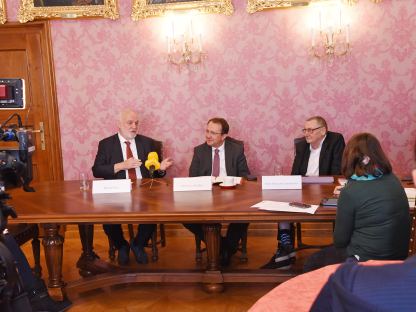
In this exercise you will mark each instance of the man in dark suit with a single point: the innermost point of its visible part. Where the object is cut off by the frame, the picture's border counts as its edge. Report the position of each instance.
(330, 145)
(318, 153)
(122, 156)
(220, 156)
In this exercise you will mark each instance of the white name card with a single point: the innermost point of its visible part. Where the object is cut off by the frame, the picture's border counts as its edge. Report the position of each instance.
(281, 182)
(111, 186)
(192, 184)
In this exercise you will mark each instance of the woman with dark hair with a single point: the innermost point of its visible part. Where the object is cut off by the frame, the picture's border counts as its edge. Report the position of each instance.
(373, 220)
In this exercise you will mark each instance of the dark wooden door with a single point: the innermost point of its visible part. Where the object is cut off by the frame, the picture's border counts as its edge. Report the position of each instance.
(26, 52)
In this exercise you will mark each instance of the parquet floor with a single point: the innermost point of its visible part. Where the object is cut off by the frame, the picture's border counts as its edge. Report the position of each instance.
(179, 253)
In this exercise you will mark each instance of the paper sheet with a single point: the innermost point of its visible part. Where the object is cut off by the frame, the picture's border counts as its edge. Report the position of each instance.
(283, 206)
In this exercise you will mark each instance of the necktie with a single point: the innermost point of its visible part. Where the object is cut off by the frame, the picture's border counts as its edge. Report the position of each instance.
(216, 164)
(129, 154)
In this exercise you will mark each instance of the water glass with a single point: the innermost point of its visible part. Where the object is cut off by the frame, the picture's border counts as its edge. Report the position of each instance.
(277, 170)
(83, 181)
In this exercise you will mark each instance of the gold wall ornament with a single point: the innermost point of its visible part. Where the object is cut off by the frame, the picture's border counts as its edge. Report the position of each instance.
(34, 9)
(3, 11)
(259, 5)
(153, 8)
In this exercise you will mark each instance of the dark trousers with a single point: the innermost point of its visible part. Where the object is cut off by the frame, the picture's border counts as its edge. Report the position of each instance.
(235, 232)
(326, 256)
(28, 278)
(115, 233)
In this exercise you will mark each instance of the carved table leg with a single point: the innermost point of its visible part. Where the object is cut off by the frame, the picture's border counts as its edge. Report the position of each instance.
(212, 232)
(53, 246)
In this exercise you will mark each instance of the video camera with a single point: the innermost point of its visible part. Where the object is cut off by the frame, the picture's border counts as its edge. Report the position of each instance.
(16, 149)
(10, 284)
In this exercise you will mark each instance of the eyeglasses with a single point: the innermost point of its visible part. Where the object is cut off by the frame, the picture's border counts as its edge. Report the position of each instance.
(309, 130)
(212, 132)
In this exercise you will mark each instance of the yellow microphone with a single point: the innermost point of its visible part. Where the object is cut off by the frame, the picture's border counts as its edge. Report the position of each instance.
(152, 163)
(153, 155)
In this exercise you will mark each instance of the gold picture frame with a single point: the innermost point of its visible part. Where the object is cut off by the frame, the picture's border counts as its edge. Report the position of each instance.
(3, 16)
(260, 5)
(34, 9)
(153, 8)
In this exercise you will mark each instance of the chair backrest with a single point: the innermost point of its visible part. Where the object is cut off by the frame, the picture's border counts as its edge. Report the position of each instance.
(296, 141)
(412, 241)
(158, 145)
(230, 139)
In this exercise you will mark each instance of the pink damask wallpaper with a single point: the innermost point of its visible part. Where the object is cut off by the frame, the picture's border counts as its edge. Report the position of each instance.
(258, 75)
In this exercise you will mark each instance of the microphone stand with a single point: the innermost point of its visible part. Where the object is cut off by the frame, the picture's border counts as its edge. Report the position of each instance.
(152, 179)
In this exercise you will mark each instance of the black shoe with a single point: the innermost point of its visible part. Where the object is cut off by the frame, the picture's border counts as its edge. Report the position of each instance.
(41, 301)
(123, 255)
(139, 253)
(283, 258)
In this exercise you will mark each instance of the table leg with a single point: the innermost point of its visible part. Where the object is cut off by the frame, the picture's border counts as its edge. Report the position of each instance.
(212, 233)
(53, 246)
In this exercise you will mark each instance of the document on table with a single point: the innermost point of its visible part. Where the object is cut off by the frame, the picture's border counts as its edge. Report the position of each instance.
(283, 206)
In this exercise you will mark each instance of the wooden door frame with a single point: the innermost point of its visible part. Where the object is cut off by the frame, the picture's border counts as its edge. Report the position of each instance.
(52, 131)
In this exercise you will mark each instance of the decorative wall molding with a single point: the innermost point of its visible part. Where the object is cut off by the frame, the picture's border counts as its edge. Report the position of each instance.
(3, 16)
(145, 8)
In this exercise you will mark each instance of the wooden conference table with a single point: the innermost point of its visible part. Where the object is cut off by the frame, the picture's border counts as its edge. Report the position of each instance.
(58, 203)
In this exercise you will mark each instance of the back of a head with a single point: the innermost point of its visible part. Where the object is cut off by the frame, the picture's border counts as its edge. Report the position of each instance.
(363, 155)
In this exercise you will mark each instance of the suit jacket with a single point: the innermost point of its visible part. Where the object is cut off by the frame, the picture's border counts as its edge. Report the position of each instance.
(359, 288)
(329, 158)
(109, 153)
(235, 160)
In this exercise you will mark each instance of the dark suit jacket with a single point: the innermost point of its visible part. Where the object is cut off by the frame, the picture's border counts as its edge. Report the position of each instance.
(329, 159)
(109, 153)
(235, 160)
(359, 288)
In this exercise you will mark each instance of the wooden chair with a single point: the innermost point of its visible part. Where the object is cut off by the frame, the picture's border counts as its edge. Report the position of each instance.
(412, 241)
(22, 233)
(154, 241)
(243, 242)
(158, 145)
(298, 226)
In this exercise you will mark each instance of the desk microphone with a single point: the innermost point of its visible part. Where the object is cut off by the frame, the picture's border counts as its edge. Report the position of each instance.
(152, 163)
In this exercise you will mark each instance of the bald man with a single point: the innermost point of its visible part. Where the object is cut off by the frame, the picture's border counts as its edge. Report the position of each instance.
(122, 156)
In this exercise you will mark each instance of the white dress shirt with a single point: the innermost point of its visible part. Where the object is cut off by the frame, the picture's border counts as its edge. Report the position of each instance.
(313, 162)
(223, 170)
(133, 151)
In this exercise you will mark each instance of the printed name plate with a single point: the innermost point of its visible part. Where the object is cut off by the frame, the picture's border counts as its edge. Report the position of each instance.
(192, 184)
(111, 186)
(281, 182)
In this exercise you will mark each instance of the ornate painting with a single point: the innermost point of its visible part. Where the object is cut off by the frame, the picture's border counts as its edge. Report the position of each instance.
(33, 9)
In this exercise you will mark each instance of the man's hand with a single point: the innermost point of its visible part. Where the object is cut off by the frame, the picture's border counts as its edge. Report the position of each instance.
(166, 163)
(127, 164)
(132, 163)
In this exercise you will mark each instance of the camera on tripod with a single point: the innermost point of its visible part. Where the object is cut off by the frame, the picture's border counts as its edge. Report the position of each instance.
(16, 149)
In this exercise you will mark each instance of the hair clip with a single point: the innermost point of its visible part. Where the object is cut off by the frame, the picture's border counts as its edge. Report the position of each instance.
(366, 160)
